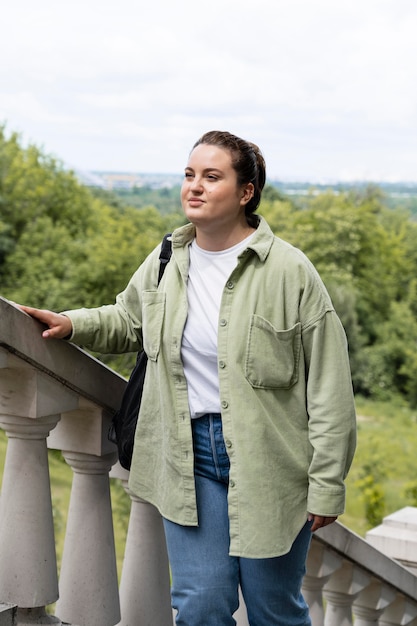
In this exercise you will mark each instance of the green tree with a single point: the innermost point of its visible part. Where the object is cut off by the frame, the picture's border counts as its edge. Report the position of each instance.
(60, 246)
(33, 185)
(366, 255)
(63, 246)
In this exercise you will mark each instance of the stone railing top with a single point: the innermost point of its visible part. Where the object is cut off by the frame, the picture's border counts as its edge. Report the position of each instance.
(70, 365)
(355, 549)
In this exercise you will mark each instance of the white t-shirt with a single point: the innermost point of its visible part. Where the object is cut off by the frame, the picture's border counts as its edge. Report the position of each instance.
(206, 279)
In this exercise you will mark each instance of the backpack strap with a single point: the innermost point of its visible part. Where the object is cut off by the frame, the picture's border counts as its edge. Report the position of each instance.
(165, 254)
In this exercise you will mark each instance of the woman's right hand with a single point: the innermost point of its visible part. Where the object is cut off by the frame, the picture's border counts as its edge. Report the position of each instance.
(59, 326)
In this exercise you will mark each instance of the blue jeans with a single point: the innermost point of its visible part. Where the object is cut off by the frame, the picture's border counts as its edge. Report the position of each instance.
(205, 579)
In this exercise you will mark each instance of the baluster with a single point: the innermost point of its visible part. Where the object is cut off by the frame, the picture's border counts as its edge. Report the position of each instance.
(88, 580)
(29, 409)
(241, 615)
(144, 585)
(371, 602)
(321, 563)
(28, 572)
(340, 591)
(401, 612)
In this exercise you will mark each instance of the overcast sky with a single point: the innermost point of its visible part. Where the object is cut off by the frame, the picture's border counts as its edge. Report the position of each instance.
(326, 88)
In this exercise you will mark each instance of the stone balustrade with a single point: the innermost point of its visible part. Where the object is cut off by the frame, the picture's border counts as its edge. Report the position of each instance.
(52, 394)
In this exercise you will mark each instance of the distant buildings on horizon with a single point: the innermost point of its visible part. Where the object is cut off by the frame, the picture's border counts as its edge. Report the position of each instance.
(117, 181)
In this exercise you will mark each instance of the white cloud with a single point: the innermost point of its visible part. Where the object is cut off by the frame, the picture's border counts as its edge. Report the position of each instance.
(325, 88)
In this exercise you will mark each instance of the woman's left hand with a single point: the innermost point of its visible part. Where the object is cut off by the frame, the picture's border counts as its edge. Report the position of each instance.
(319, 521)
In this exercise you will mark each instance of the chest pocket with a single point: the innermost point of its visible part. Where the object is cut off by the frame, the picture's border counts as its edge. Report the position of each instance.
(272, 356)
(153, 311)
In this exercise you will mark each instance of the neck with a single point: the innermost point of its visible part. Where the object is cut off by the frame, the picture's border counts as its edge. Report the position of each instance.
(216, 241)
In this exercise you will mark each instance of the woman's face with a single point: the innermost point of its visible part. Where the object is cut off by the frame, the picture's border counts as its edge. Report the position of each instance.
(210, 194)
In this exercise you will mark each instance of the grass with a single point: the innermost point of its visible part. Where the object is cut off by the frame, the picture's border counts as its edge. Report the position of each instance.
(387, 444)
(386, 451)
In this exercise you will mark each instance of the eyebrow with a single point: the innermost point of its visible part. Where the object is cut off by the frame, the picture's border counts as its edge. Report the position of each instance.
(206, 169)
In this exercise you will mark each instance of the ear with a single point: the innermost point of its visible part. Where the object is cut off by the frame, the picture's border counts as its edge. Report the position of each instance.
(247, 193)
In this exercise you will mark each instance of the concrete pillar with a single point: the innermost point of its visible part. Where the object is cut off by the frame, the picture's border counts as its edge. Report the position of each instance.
(145, 584)
(30, 406)
(241, 615)
(400, 612)
(88, 581)
(28, 574)
(372, 602)
(340, 591)
(396, 537)
(320, 565)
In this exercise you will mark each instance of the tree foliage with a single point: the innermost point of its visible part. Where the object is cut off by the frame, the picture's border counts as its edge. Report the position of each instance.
(63, 246)
(366, 254)
(60, 246)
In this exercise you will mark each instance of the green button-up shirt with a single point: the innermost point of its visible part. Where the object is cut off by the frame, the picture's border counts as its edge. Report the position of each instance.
(285, 390)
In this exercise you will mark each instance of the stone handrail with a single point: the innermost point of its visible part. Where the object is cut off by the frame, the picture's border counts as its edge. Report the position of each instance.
(53, 394)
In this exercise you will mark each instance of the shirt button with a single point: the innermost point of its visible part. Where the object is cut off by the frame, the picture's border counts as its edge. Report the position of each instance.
(232, 483)
(222, 364)
(228, 443)
(224, 404)
(230, 284)
(223, 322)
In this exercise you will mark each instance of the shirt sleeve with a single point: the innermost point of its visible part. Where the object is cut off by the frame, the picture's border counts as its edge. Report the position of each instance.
(116, 328)
(331, 412)
(107, 329)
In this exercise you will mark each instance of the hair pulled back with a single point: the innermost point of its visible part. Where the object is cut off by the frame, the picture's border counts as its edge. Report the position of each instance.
(247, 161)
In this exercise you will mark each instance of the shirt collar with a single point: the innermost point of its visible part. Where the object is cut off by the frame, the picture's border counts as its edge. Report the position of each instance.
(260, 243)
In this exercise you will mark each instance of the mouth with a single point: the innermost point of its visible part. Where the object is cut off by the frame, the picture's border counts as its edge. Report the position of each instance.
(195, 202)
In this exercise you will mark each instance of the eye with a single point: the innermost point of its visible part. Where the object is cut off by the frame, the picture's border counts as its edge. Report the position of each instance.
(188, 175)
(212, 177)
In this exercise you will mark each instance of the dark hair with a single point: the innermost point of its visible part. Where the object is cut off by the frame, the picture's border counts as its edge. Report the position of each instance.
(247, 161)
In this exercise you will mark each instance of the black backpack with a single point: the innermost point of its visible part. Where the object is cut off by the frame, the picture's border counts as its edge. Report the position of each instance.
(123, 426)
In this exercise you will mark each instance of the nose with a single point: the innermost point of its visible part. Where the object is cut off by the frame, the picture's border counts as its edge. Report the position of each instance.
(196, 185)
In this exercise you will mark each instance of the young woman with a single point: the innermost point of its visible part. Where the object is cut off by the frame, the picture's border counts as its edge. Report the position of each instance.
(247, 424)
